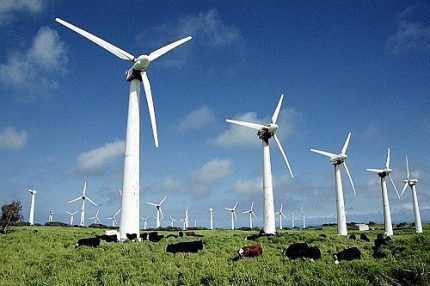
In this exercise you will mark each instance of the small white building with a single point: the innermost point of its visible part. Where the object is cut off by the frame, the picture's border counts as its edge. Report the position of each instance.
(360, 227)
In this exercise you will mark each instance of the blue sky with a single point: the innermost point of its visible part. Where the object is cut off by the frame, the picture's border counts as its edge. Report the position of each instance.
(362, 67)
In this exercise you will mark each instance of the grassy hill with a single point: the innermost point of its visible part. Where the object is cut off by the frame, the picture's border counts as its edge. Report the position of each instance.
(48, 257)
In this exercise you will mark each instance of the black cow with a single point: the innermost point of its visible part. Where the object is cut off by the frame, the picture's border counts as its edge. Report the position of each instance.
(92, 242)
(186, 246)
(347, 254)
(297, 250)
(364, 237)
(353, 237)
(144, 236)
(154, 236)
(108, 238)
(131, 236)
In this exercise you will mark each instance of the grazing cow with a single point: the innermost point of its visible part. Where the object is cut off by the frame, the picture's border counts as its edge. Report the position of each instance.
(352, 236)
(192, 233)
(186, 247)
(181, 234)
(249, 251)
(131, 236)
(347, 254)
(93, 242)
(297, 250)
(154, 236)
(323, 235)
(144, 236)
(108, 238)
(364, 237)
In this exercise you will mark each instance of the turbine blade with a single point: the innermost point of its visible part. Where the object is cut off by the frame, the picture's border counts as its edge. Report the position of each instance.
(404, 188)
(283, 154)
(395, 188)
(246, 124)
(254, 215)
(407, 168)
(68, 213)
(375, 170)
(282, 214)
(162, 201)
(152, 204)
(387, 164)
(148, 94)
(161, 213)
(102, 43)
(161, 51)
(117, 213)
(91, 201)
(345, 146)
(350, 178)
(77, 199)
(252, 206)
(75, 212)
(85, 188)
(328, 154)
(278, 108)
(235, 205)
(235, 216)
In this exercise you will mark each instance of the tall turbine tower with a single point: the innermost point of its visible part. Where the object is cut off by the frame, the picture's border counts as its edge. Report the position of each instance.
(383, 173)
(281, 214)
(337, 160)
(50, 216)
(303, 218)
(135, 75)
(251, 213)
(292, 220)
(233, 215)
(83, 198)
(411, 183)
(33, 197)
(265, 132)
(160, 215)
(72, 215)
(211, 225)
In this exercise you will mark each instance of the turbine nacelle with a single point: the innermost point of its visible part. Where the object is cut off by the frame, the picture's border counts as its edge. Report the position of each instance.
(141, 63)
(338, 159)
(272, 127)
(411, 182)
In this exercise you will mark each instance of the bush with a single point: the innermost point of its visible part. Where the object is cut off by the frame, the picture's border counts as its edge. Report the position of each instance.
(56, 223)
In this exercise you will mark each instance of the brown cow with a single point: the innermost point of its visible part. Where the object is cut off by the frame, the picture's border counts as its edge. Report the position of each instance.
(249, 251)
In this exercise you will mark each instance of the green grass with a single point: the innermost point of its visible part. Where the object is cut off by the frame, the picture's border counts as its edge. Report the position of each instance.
(48, 257)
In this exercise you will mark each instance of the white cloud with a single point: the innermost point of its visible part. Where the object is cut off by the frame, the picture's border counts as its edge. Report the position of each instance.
(9, 8)
(96, 161)
(248, 187)
(171, 183)
(238, 136)
(38, 68)
(197, 120)
(13, 139)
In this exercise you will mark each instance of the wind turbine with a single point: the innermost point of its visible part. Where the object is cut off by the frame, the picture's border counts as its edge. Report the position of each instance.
(337, 160)
(303, 218)
(251, 213)
(83, 198)
(72, 215)
(292, 220)
(33, 197)
(95, 218)
(50, 216)
(186, 219)
(383, 173)
(211, 225)
(233, 214)
(145, 222)
(172, 221)
(113, 218)
(135, 75)
(160, 215)
(411, 183)
(281, 214)
(265, 132)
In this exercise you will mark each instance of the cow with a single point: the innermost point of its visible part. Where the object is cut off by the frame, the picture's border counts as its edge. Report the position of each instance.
(108, 238)
(192, 233)
(297, 250)
(249, 251)
(92, 242)
(154, 236)
(347, 254)
(185, 247)
(364, 237)
(144, 236)
(131, 236)
(352, 236)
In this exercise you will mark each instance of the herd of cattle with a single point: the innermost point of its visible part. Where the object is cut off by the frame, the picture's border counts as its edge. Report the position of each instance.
(293, 251)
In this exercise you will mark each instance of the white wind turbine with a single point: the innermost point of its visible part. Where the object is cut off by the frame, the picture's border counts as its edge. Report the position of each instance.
(265, 132)
(211, 218)
(50, 216)
(337, 160)
(113, 218)
(281, 214)
(292, 220)
(145, 222)
(303, 218)
(233, 215)
(83, 198)
(72, 215)
(95, 218)
(135, 75)
(186, 219)
(172, 221)
(383, 173)
(160, 215)
(251, 213)
(411, 183)
(33, 198)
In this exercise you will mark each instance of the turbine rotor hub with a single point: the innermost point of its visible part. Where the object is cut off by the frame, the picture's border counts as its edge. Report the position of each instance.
(264, 134)
(141, 63)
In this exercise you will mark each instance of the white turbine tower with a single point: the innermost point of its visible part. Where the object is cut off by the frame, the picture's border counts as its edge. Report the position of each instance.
(303, 218)
(383, 173)
(159, 216)
(72, 215)
(292, 220)
(251, 213)
(265, 132)
(113, 218)
(50, 216)
(33, 198)
(233, 215)
(83, 198)
(135, 75)
(412, 184)
(145, 222)
(172, 221)
(211, 218)
(281, 214)
(186, 219)
(95, 218)
(337, 160)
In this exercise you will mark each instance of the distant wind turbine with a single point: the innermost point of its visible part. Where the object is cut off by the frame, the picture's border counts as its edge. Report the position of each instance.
(412, 184)
(83, 198)
(72, 215)
(145, 222)
(281, 214)
(233, 214)
(33, 198)
(251, 213)
(160, 215)
(113, 218)
(95, 218)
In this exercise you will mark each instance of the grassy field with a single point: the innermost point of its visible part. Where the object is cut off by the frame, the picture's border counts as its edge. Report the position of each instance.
(48, 257)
